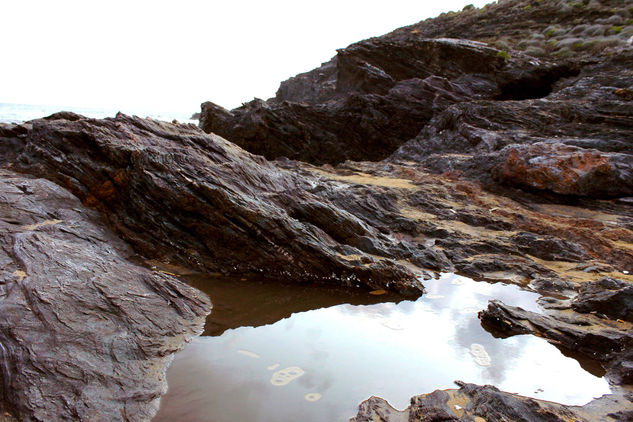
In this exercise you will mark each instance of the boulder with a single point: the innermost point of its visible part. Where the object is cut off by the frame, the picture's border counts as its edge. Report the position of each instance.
(608, 297)
(477, 403)
(566, 170)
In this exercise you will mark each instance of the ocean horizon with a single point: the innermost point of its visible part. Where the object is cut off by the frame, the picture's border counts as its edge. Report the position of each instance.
(17, 113)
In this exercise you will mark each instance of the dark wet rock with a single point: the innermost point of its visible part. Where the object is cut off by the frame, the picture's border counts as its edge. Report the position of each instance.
(476, 403)
(605, 340)
(607, 296)
(566, 170)
(64, 115)
(177, 194)
(372, 97)
(548, 247)
(84, 334)
(552, 285)
(499, 158)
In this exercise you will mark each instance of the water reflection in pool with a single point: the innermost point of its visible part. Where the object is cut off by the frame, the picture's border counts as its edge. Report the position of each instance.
(320, 364)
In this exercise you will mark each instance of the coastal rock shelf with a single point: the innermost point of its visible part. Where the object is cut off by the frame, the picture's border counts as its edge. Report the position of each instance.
(496, 143)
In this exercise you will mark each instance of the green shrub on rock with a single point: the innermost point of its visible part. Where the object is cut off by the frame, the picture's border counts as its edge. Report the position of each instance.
(615, 29)
(503, 54)
(563, 53)
(568, 42)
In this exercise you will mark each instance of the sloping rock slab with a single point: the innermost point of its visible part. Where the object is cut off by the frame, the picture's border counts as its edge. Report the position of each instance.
(180, 195)
(606, 340)
(372, 97)
(84, 334)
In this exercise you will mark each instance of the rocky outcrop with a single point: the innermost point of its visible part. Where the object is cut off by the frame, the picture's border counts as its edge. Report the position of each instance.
(84, 334)
(475, 403)
(177, 194)
(606, 297)
(566, 170)
(496, 163)
(606, 340)
(372, 97)
(574, 142)
(381, 225)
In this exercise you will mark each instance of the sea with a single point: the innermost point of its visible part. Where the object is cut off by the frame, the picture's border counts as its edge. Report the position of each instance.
(16, 113)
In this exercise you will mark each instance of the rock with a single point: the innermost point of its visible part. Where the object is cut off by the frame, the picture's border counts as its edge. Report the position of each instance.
(551, 285)
(566, 170)
(84, 333)
(613, 298)
(475, 403)
(494, 163)
(549, 247)
(604, 340)
(180, 195)
(372, 97)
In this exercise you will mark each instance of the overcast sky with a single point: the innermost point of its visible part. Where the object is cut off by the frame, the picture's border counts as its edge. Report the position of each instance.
(173, 55)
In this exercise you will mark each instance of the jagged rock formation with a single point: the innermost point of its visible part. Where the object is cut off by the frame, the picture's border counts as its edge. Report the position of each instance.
(179, 195)
(497, 163)
(599, 338)
(84, 334)
(375, 95)
(474, 403)
(519, 169)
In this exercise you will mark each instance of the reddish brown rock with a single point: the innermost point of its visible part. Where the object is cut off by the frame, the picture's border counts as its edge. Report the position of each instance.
(180, 195)
(566, 170)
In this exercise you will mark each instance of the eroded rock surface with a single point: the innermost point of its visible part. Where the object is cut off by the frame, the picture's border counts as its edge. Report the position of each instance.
(84, 334)
(593, 334)
(180, 195)
(372, 97)
(499, 164)
(475, 403)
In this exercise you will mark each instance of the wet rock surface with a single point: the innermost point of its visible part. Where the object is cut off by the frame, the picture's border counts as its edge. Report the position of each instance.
(504, 156)
(520, 169)
(566, 328)
(606, 297)
(181, 196)
(475, 403)
(84, 333)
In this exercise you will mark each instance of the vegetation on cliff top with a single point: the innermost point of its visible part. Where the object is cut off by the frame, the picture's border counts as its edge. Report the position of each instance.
(541, 28)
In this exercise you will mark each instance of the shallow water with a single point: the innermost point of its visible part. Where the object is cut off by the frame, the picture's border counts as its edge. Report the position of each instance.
(318, 365)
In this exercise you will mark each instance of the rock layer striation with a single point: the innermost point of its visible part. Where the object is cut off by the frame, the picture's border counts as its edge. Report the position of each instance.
(84, 333)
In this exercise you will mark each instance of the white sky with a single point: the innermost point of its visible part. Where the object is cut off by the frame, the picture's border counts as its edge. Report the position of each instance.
(173, 55)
